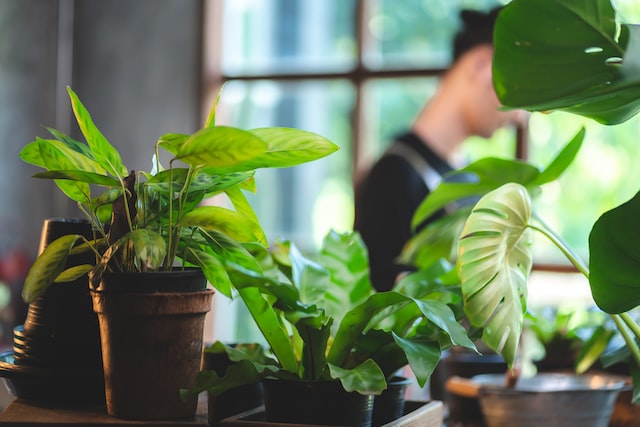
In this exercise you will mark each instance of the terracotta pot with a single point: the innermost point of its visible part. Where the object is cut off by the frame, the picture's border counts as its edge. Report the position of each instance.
(315, 402)
(151, 347)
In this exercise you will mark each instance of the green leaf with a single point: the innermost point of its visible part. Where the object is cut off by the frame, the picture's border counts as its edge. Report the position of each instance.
(614, 258)
(53, 158)
(213, 270)
(221, 147)
(269, 324)
(80, 176)
(226, 221)
(172, 142)
(593, 348)
(571, 63)
(562, 161)
(366, 378)
(30, 153)
(150, 247)
(495, 261)
(49, 264)
(489, 173)
(242, 206)
(423, 356)
(290, 147)
(73, 273)
(211, 118)
(103, 152)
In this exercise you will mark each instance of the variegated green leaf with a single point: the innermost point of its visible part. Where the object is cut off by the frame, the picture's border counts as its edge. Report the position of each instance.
(103, 152)
(72, 157)
(495, 261)
(49, 264)
(30, 153)
(150, 247)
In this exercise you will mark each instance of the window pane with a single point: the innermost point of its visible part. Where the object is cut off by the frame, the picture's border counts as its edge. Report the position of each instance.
(604, 175)
(414, 33)
(391, 105)
(271, 36)
(300, 203)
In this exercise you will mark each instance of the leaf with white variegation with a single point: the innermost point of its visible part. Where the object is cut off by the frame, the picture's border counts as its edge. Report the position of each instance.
(495, 261)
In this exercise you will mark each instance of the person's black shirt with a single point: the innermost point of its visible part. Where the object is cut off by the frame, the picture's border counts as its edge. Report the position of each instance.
(386, 200)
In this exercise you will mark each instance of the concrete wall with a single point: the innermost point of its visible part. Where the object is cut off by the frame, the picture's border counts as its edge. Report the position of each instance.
(136, 65)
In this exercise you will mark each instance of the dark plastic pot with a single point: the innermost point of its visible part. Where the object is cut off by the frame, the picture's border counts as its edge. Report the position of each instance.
(315, 402)
(151, 343)
(389, 405)
(231, 402)
(56, 355)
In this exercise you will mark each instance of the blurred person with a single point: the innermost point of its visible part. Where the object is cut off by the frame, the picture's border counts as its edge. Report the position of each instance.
(464, 105)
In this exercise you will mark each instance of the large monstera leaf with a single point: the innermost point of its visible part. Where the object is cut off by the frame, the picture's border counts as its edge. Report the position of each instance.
(495, 261)
(567, 55)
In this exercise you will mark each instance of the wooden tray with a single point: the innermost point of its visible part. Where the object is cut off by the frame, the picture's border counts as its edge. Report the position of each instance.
(417, 414)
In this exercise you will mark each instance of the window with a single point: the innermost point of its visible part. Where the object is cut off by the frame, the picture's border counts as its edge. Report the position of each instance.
(357, 72)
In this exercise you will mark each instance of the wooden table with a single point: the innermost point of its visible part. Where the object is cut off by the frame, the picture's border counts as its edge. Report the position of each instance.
(24, 413)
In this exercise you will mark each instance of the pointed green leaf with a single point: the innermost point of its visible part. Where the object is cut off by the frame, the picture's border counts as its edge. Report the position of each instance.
(220, 146)
(495, 262)
(423, 355)
(103, 152)
(483, 175)
(562, 160)
(211, 118)
(53, 158)
(614, 258)
(212, 268)
(80, 176)
(73, 273)
(291, 147)
(77, 146)
(226, 221)
(49, 264)
(30, 153)
(242, 206)
(272, 330)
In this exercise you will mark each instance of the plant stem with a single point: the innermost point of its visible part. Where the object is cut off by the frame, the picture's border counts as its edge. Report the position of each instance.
(560, 244)
(628, 338)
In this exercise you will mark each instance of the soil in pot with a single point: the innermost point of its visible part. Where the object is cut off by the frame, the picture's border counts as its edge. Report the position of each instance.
(152, 346)
(315, 402)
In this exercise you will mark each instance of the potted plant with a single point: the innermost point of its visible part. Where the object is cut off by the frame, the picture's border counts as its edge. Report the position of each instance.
(151, 230)
(339, 332)
(531, 72)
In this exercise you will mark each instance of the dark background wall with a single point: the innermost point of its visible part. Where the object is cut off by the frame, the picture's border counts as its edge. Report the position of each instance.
(136, 65)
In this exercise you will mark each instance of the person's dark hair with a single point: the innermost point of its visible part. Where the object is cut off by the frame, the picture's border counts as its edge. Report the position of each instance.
(477, 29)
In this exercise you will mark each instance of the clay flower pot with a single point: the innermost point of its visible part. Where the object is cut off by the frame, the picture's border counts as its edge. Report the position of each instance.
(151, 341)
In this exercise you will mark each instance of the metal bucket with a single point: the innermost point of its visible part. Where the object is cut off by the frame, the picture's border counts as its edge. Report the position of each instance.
(549, 400)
